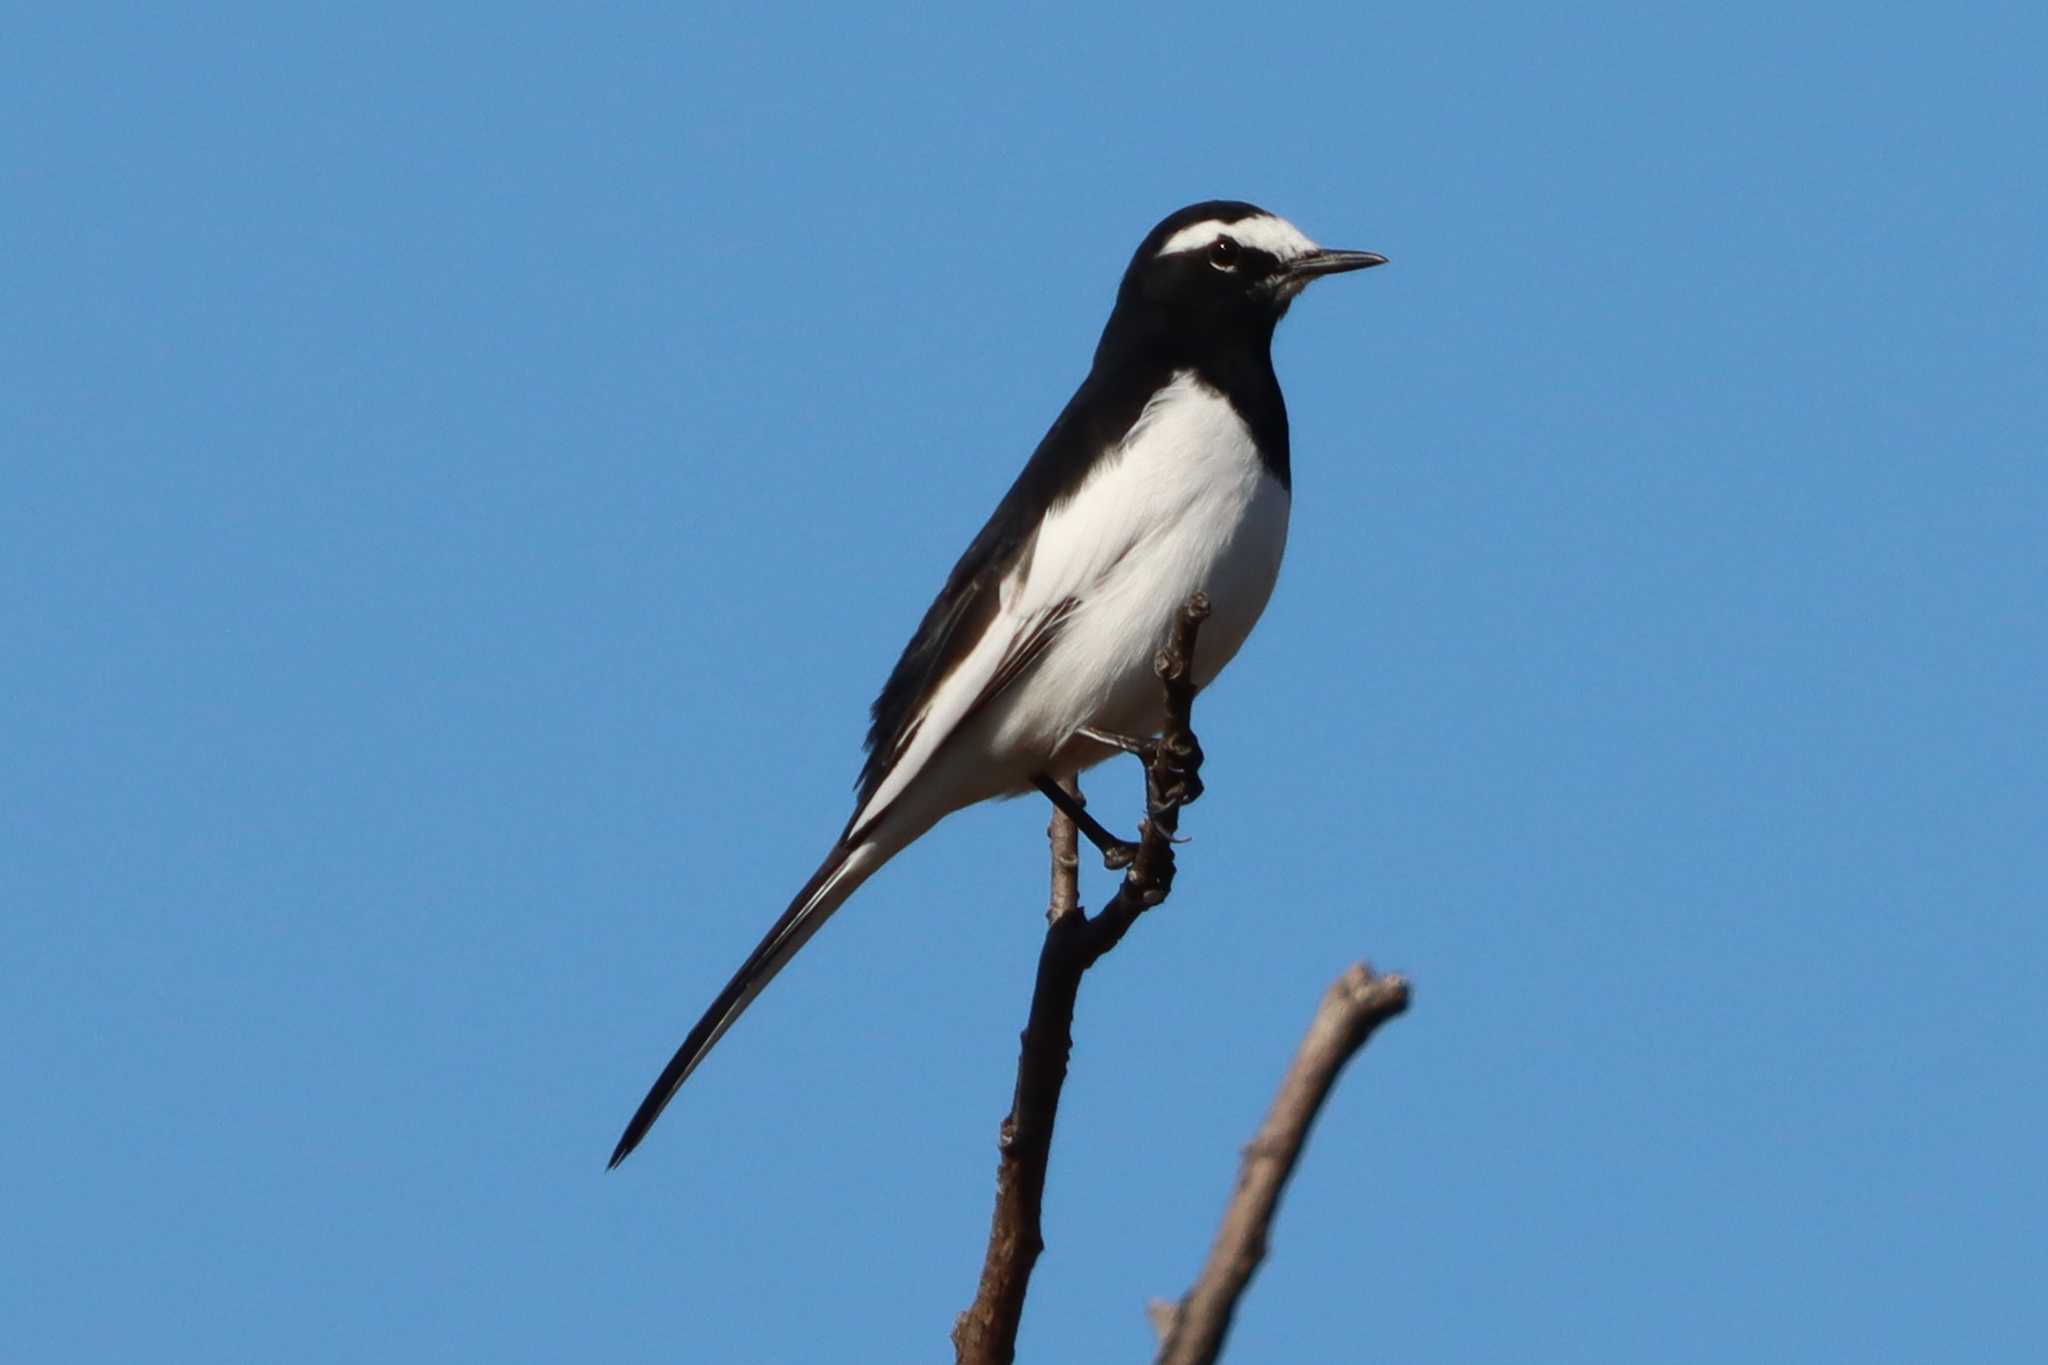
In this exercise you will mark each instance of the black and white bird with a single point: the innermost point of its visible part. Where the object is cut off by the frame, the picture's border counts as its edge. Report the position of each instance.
(1166, 474)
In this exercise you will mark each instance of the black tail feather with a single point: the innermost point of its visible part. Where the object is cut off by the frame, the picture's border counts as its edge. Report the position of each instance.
(791, 931)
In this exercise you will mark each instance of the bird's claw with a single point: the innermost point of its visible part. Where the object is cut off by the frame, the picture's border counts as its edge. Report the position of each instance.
(1177, 762)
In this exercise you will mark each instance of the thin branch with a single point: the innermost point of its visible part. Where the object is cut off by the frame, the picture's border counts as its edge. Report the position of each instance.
(986, 1334)
(1357, 1004)
(1066, 858)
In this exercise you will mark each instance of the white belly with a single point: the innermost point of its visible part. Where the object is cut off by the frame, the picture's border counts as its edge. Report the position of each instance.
(1192, 507)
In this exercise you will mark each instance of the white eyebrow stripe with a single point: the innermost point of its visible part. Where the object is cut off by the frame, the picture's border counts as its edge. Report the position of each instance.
(1275, 236)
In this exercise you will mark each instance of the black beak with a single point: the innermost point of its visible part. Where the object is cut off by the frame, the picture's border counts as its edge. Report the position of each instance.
(1321, 262)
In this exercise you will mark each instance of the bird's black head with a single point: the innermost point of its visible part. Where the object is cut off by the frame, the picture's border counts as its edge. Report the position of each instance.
(1227, 269)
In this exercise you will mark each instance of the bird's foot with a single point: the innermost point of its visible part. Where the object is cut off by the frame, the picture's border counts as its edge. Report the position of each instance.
(1173, 762)
(1176, 769)
(1117, 854)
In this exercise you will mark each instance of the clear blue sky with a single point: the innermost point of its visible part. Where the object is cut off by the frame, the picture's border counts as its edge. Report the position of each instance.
(468, 472)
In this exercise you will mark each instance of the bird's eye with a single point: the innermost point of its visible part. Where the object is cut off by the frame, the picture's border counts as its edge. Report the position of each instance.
(1223, 254)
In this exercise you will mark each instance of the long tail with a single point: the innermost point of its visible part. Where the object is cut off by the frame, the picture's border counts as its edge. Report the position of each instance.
(842, 872)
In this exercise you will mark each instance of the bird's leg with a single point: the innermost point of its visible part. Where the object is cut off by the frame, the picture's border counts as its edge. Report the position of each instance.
(1116, 853)
(1137, 748)
(1176, 757)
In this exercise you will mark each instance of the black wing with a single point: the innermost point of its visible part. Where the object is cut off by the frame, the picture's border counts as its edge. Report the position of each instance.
(1096, 419)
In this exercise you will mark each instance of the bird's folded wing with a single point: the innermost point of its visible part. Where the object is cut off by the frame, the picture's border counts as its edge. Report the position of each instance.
(1005, 651)
(1051, 581)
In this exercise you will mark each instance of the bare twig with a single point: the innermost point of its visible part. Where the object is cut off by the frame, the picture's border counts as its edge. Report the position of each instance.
(1357, 1004)
(986, 1334)
(1066, 858)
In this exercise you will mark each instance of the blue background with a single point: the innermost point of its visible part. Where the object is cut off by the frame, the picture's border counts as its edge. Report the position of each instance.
(467, 473)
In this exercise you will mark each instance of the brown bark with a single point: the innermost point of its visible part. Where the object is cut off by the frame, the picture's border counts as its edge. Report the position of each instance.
(1192, 1332)
(986, 1334)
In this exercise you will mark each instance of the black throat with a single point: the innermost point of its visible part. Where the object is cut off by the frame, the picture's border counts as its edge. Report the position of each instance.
(1144, 346)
